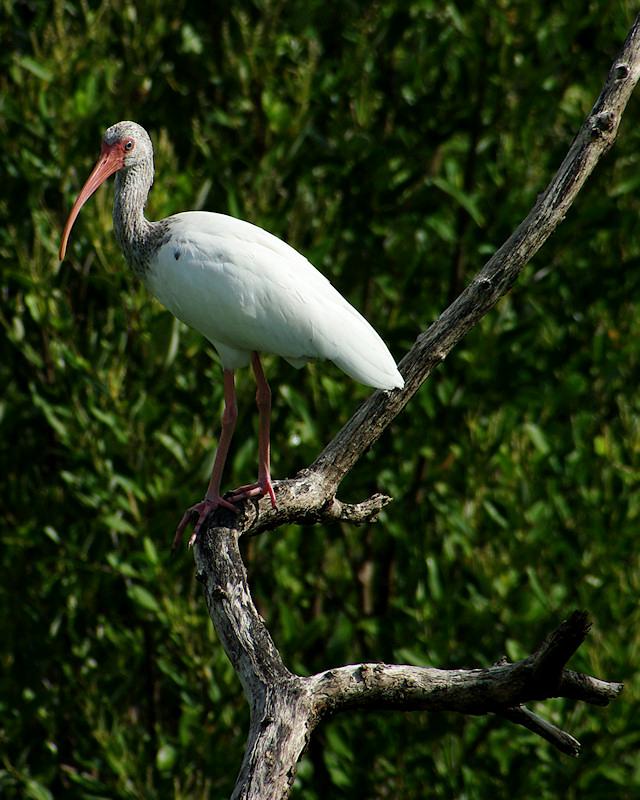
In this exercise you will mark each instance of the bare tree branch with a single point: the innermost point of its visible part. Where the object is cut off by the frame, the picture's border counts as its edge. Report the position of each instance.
(561, 740)
(301, 498)
(470, 691)
(285, 707)
(594, 139)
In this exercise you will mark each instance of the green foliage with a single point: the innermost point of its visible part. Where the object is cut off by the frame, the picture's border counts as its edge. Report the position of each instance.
(396, 144)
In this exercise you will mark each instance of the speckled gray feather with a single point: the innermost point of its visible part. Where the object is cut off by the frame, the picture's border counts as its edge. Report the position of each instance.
(137, 236)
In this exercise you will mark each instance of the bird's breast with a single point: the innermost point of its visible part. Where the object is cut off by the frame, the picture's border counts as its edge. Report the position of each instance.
(222, 292)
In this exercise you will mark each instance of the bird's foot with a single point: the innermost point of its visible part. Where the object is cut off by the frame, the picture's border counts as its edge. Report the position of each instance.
(199, 512)
(260, 488)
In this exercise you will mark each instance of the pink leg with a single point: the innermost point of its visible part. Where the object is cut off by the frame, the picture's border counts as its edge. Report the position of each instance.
(263, 400)
(213, 499)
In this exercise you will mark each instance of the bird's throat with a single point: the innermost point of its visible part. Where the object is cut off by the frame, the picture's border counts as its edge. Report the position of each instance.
(133, 231)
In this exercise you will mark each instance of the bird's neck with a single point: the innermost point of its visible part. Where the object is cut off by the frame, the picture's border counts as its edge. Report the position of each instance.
(133, 230)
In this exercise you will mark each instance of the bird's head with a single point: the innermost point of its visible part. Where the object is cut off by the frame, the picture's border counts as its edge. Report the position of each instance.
(124, 146)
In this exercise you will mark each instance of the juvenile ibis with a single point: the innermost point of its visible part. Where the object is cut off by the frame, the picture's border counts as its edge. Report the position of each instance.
(242, 288)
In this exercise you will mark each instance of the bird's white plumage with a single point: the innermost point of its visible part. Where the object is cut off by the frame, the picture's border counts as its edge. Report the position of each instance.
(245, 290)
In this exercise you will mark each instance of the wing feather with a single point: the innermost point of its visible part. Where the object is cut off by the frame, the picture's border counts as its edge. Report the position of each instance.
(245, 289)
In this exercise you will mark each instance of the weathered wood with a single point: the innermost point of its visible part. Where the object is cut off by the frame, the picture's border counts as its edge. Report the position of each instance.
(561, 740)
(285, 707)
(594, 139)
(310, 495)
(469, 691)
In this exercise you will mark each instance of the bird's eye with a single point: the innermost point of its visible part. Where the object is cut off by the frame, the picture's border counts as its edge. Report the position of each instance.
(128, 145)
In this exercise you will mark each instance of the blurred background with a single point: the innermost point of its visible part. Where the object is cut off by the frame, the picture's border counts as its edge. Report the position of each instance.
(396, 144)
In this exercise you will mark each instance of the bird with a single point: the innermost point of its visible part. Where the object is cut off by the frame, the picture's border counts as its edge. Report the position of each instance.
(244, 289)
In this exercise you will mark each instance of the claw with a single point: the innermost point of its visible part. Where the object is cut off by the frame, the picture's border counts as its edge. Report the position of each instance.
(198, 513)
(258, 489)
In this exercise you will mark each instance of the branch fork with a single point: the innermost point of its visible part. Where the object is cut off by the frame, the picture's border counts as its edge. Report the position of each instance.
(286, 708)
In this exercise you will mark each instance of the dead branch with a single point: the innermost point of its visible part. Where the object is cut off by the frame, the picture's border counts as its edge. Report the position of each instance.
(312, 488)
(285, 707)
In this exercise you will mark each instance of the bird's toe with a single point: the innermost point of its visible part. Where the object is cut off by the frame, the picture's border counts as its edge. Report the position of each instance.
(251, 490)
(196, 515)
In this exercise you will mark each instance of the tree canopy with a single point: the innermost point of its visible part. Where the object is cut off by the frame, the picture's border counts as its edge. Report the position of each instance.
(396, 145)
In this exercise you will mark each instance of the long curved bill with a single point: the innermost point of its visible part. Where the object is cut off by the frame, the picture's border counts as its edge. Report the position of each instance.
(110, 161)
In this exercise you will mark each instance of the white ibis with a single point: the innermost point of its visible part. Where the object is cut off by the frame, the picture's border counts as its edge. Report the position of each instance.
(245, 290)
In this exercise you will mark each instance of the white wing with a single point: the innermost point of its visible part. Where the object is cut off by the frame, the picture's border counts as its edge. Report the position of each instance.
(245, 289)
